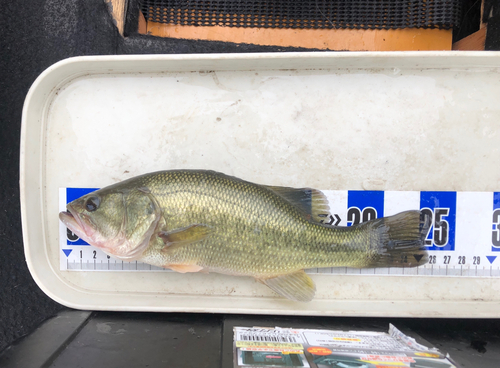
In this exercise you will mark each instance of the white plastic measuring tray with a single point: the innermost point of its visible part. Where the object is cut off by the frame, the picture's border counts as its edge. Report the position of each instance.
(405, 124)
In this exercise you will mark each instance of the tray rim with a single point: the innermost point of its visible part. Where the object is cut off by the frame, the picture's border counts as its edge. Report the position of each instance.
(62, 72)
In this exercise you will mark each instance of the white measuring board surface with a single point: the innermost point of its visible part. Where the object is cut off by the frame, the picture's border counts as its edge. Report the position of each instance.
(397, 122)
(464, 239)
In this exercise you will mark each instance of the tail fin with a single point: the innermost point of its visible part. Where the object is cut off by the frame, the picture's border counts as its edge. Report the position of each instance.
(401, 239)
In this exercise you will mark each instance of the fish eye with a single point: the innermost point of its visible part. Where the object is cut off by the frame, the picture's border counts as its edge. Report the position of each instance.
(92, 204)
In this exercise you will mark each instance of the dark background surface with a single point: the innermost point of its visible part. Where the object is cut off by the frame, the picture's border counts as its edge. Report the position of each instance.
(35, 34)
(106, 339)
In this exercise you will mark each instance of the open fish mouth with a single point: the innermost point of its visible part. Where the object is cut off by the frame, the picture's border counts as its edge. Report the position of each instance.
(79, 225)
(74, 223)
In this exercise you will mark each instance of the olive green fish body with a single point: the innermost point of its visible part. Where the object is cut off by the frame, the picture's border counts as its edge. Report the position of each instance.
(253, 231)
(193, 221)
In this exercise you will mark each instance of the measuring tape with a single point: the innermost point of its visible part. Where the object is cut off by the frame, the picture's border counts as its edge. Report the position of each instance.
(464, 239)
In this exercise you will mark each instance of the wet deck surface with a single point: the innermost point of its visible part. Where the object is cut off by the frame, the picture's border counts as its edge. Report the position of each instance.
(107, 339)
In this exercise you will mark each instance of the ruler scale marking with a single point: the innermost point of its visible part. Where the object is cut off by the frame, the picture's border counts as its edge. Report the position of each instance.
(462, 232)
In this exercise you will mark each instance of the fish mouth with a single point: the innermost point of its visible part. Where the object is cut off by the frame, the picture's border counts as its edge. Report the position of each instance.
(74, 222)
(81, 226)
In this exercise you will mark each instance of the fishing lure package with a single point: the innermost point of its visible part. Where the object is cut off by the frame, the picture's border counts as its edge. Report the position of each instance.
(285, 347)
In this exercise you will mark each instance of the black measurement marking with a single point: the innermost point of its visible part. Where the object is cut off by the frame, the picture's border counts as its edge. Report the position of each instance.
(461, 260)
(447, 260)
(440, 228)
(432, 259)
(71, 235)
(495, 234)
(428, 212)
(94, 254)
(334, 221)
(369, 213)
(476, 260)
(356, 216)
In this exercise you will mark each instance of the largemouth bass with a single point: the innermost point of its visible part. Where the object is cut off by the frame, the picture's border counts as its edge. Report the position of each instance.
(195, 220)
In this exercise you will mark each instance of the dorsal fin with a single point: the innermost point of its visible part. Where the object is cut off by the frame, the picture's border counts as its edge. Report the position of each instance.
(311, 201)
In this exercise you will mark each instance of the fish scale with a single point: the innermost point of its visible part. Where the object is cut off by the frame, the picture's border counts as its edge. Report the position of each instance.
(287, 241)
(204, 220)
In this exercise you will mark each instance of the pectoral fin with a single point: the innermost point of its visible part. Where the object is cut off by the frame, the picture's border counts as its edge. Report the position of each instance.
(185, 235)
(295, 286)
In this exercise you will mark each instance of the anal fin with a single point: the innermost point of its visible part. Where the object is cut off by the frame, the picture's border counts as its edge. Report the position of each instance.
(296, 286)
(185, 268)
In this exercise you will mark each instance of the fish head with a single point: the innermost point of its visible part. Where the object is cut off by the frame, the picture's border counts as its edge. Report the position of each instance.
(119, 221)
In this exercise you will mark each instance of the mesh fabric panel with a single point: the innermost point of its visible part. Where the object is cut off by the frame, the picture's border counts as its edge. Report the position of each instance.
(352, 14)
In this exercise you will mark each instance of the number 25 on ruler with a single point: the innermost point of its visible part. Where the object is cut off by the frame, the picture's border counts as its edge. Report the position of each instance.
(441, 207)
(439, 231)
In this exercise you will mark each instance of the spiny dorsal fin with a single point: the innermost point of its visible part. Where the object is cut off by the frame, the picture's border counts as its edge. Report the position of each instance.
(294, 286)
(311, 201)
